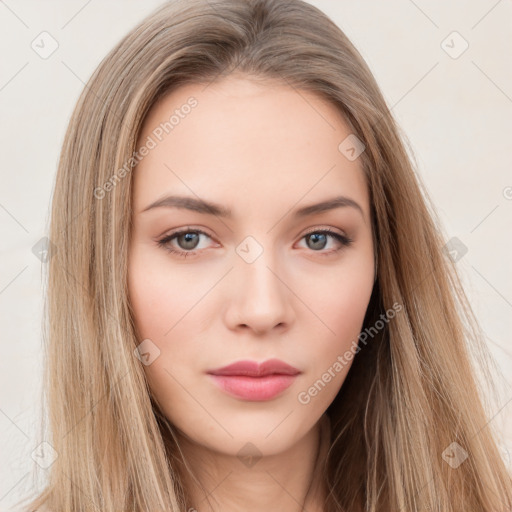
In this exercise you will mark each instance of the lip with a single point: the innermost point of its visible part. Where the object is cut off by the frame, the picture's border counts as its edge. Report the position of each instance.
(251, 380)
(255, 369)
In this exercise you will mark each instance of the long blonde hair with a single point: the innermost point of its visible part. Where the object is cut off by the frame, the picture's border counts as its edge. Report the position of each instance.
(411, 392)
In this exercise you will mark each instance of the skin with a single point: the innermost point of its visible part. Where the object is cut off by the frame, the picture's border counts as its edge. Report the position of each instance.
(263, 150)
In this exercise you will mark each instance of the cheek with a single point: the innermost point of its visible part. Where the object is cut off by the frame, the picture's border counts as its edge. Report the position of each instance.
(344, 305)
(339, 304)
(159, 295)
(338, 296)
(166, 307)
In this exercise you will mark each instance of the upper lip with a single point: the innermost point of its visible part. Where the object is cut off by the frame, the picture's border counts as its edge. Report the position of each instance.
(255, 369)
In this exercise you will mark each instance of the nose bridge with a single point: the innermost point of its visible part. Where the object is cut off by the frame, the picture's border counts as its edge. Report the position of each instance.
(257, 264)
(262, 299)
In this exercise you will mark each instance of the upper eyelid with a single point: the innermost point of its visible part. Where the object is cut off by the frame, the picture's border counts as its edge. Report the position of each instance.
(326, 228)
(186, 230)
(202, 231)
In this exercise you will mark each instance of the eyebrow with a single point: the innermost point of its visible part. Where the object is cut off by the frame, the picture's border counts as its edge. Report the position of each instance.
(210, 208)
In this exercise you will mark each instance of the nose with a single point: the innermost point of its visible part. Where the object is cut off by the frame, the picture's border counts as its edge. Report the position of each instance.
(259, 298)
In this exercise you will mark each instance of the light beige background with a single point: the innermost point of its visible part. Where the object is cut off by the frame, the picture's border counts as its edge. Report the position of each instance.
(456, 113)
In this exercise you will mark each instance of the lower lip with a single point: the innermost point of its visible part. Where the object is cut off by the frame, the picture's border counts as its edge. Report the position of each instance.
(254, 388)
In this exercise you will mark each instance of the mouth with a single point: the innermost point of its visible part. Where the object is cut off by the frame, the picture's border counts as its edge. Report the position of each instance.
(252, 381)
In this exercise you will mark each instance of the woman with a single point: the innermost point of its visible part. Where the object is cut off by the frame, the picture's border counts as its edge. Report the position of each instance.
(250, 306)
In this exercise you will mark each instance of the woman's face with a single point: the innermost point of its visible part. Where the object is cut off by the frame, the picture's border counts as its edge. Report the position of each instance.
(258, 278)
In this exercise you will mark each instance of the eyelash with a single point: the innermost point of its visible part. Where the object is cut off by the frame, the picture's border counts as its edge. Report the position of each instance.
(164, 242)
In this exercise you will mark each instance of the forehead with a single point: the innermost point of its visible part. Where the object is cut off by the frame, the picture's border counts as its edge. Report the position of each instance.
(246, 143)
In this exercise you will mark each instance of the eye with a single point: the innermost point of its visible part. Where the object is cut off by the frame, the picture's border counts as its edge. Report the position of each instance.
(319, 237)
(188, 241)
(187, 238)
